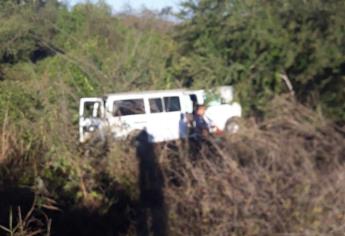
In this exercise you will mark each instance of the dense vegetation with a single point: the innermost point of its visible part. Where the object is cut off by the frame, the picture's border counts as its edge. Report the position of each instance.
(51, 55)
(258, 44)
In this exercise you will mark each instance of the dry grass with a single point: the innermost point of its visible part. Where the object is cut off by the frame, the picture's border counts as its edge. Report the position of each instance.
(27, 225)
(6, 140)
(282, 176)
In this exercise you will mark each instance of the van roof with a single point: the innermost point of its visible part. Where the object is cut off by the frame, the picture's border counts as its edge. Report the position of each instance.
(147, 92)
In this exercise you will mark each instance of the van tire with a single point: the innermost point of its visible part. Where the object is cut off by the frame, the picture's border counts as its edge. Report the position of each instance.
(232, 125)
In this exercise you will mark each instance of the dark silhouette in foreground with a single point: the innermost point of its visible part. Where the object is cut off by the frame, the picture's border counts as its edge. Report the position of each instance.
(148, 214)
(152, 214)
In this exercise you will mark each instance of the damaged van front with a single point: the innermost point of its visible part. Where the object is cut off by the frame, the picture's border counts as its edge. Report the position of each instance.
(91, 119)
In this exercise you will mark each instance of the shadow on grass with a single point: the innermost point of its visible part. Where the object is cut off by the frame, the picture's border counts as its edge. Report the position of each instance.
(152, 213)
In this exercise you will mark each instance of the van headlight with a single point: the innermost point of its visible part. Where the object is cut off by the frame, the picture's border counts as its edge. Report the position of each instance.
(90, 128)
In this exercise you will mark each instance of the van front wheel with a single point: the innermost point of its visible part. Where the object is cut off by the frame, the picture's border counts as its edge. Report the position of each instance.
(232, 125)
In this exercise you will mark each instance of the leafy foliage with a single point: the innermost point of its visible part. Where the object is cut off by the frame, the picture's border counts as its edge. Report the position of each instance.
(51, 55)
(254, 44)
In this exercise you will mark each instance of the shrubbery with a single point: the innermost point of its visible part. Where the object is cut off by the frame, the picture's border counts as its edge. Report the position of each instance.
(283, 174)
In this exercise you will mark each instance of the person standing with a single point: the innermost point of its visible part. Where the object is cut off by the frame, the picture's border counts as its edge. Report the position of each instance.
(201, 126)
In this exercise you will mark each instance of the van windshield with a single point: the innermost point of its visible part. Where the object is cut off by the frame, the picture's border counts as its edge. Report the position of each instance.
(128, 107)
(92, 109)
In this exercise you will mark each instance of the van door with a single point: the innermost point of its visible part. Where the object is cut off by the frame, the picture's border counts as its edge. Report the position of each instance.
(157, 119)
(175, 121)
(91, 117)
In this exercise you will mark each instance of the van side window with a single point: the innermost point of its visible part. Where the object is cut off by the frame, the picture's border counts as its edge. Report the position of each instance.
(129, 107)
(156, 105)
(172, 104)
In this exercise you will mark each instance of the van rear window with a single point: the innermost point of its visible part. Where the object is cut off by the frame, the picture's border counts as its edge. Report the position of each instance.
(172, 103)
(156, 105)
(129, 107)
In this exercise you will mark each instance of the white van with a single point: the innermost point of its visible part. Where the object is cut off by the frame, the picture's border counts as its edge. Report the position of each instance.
(163, 114)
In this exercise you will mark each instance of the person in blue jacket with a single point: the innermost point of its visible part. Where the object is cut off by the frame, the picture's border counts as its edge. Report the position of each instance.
(201, 126)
